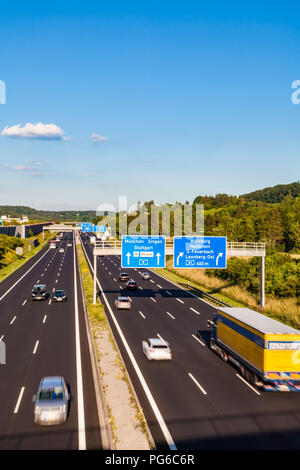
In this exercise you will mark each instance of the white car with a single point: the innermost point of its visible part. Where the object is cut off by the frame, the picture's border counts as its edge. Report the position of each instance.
(69, 244)
(61, 250)
(156, 349)
(123, 303)
(145, 276)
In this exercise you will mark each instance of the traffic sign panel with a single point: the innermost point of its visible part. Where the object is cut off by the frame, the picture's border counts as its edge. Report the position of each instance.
(143, 251)
(199, 252)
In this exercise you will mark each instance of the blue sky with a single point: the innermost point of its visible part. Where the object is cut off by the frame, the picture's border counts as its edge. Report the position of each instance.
(191, 98)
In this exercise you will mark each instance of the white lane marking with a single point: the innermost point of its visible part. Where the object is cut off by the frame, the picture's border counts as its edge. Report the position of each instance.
(35, 347)
(250, 386)
(193, 310)
(49, 302)
(42, 275)
(53, 289)
(197, 383)
(142, 314)
(1, 337)
(199, 340)
(19, 400)
(13, 319)
(23, 276)
(168, 292)
(160, 337)
(140, 288)
(37, 281)
(179, 300)
(24, 302)
(171, 282)
(44, 320)
(80, 402)
(151, 281)
(109, 273)
(56, 281)
(58, 274)
(151, 400)
(115, 279)
(170, 315)
(159, 286)
(152, 299)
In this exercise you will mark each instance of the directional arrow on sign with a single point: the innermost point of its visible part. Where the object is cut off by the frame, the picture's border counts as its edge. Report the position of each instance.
(128, 257)
(178, 257)
(219, 256)
(158, 256)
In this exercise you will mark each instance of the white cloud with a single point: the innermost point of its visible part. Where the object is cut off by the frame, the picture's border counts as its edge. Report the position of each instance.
(98, 138)
(34, 131)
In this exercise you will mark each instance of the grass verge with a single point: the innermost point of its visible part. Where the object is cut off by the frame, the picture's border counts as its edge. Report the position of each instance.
(18, 261)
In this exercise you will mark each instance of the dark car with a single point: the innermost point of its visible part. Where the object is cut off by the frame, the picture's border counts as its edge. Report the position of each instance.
(131, 285)
(59, 296)
(123, 277)
(39, 292)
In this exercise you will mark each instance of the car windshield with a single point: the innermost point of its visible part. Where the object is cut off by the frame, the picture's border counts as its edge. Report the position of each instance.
(123, 300)
(59, 293)
(159, 346)
(56, 393)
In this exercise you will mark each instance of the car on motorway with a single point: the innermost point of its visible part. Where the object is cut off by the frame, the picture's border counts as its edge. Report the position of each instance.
(145, 276)
(39, 292)
(156, 349)
(123, 303)
(51, 401)
(69, 244)
(131, 285)
(123, 277)
(61, 250)
(59, 296)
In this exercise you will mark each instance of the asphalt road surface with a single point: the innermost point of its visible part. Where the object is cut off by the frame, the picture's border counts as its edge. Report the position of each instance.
(43, 338)
(203, 402)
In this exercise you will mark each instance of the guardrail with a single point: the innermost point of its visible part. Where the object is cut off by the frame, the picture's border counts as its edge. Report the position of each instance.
(211, 297)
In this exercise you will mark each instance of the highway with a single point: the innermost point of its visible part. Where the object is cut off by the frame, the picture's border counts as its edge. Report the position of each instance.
(203, 402)
(44, 338)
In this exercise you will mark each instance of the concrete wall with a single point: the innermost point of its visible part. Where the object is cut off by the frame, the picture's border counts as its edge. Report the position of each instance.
(22, 231)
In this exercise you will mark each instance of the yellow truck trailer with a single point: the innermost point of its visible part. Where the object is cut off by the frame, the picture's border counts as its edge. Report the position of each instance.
(266, 351)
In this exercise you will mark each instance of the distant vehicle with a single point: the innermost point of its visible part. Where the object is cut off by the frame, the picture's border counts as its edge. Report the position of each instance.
(53, 244)
(123, 303)
(265, 350)
(69, 244)
(131, 285)
(61, 250)
(145, 276)
(123, 277)
(39, 292)
(59, 296)
(156, 349)
(51, 401)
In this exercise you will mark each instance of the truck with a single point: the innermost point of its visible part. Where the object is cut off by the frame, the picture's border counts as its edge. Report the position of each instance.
(266, 351)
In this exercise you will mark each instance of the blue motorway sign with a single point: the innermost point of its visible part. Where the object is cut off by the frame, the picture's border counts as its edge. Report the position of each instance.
(99, 228)
(143, 251)
(199, 252)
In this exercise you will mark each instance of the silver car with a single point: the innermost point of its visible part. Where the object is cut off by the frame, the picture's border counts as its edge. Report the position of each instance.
(157, 349)
(123, 302)
(51, 401)
(145, 276)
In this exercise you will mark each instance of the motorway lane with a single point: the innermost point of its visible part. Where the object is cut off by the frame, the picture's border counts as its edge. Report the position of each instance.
(52, 326)
(231, 414)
